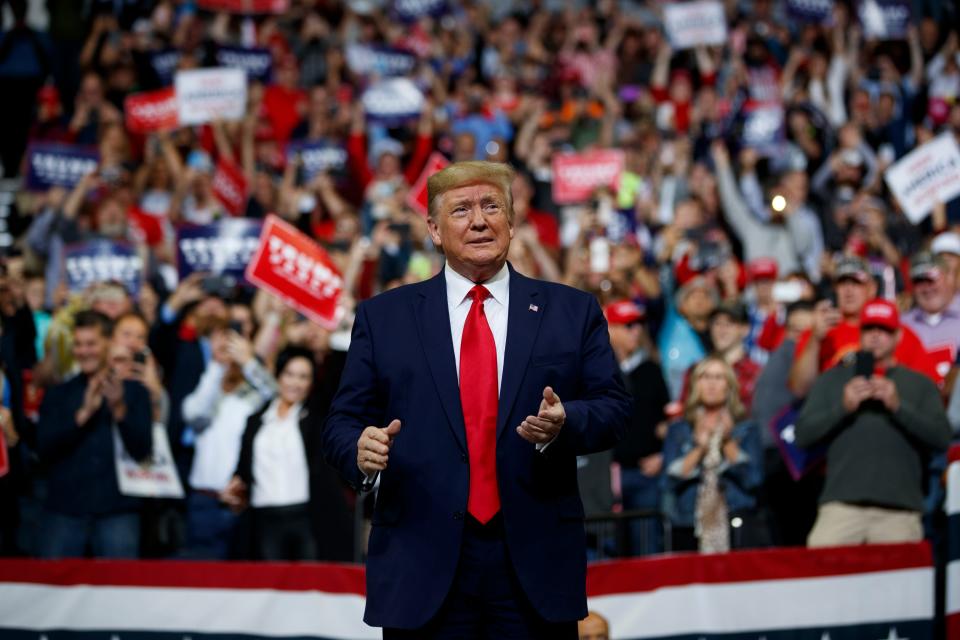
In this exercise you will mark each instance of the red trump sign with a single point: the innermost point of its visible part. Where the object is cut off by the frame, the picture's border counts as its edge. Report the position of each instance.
(151, 111)
(294, 268)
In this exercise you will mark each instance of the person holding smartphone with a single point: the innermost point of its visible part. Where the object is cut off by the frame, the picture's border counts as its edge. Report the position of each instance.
(879, 421)
(233, 386)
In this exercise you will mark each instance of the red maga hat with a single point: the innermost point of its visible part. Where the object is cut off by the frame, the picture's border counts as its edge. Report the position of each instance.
(880, 313)
(623, 312)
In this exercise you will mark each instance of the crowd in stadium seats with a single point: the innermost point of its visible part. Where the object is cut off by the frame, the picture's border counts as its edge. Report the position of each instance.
(740, 255)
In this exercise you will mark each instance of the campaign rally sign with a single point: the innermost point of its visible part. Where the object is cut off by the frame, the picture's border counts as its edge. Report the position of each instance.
(577, 175)
(366, 60)
(799, 461)
(393, 101)
(257, 62)
(412, 10)
(245, 6)
(884, 19)
(318, 157)
(928, 174)
(204, 95)
(4, 458)
(764, 129)
(164, 64)
(55, 164)
(230, 187)
(296, 269)
(813, 11)
(689, 24)
(222, 248)
(151, 111)
(87, 263)
(417, 195)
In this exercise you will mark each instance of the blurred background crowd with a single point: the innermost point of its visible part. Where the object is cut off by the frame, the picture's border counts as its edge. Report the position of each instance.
(736, 260)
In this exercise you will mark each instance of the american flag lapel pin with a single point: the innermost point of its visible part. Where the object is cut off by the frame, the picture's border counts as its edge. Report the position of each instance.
(533, 308)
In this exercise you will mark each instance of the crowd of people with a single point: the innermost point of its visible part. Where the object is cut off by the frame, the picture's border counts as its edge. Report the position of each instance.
(770, 304)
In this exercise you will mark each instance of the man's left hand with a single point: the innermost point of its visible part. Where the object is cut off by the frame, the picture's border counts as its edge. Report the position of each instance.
(885, 391)
(545, 426)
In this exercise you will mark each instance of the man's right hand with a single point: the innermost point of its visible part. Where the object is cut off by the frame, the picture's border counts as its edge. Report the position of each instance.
(825, 317)
(373, 447)
(855, 392)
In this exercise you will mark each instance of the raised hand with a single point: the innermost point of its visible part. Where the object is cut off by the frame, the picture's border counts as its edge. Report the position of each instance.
(545, 426)
(373, 447)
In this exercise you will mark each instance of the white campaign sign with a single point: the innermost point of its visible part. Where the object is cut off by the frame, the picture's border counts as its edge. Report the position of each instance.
(926, 175)
(204, 95)
(689, 24)
(153, 478)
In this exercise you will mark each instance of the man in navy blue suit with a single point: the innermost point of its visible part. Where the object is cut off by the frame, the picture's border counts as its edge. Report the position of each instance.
(470, 395)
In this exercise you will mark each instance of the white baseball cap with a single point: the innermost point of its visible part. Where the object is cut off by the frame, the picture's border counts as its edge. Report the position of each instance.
(948, 242)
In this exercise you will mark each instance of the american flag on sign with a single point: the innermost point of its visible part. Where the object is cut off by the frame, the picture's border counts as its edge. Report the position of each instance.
(534, 308)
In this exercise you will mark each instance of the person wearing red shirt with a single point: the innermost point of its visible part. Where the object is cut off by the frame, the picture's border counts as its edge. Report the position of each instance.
(836, 330)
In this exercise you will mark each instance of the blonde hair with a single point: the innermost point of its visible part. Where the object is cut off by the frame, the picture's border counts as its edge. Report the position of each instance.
(734, 406)
(461, 174)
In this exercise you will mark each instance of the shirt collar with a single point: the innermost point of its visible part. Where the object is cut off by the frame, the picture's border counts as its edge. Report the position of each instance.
(458, 286)
(270, 415)
(633, 361)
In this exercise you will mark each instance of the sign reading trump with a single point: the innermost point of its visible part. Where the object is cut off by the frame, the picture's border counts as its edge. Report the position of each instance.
(204, 95)
(925, 176)
(294, 268)
(690, 24)
(577, 175)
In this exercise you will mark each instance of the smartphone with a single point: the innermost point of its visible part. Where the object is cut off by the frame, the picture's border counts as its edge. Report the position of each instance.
(787, 292)
(864, 364)
(599, 255)
(236, 327)
(140, 357)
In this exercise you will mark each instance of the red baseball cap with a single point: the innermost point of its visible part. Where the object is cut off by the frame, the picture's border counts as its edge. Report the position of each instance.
(623, 312)
(880, 313)
(762, 269)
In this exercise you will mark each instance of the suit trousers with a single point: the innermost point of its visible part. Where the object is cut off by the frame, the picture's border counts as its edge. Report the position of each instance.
(486, 601)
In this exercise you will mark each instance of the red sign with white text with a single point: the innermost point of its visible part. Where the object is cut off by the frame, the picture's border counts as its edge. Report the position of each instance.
(230, 187)
(576, 176)
(4, 458)
(296, 269)
(417, 196)
(151, 111)
(245, 6)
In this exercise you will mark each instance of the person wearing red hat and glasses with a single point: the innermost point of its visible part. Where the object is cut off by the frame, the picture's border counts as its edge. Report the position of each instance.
(639, 453)
(879, 420)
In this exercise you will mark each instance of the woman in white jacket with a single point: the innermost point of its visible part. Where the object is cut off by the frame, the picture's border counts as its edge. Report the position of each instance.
(234, 385)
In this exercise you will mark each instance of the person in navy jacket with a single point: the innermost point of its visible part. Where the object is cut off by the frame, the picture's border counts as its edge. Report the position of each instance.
(85, 511)
(469, 405)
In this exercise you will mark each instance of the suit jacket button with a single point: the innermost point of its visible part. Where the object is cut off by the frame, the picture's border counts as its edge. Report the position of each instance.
(458, 515)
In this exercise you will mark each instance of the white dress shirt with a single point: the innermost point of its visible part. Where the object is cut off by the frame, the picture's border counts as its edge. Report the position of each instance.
(280, 472)
(494, 308)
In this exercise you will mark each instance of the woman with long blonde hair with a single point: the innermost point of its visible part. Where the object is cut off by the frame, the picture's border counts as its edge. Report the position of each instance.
(713, 466)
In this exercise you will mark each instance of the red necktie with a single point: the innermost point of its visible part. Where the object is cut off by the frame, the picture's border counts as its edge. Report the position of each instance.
(478, 397)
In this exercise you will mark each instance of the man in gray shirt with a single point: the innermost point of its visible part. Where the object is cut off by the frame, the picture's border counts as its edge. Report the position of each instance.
(879, 428)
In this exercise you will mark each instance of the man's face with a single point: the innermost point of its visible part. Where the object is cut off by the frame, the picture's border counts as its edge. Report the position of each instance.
(932, 294)
(625, 338)
(89, 349)
(697, 304)
(131, 333)
(879, 341)
(593, 627)
(851, 296)
(474, 229)
(725, 333)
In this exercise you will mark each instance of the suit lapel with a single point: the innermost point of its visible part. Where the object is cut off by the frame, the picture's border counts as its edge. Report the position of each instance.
(433, 324)
(523, 323)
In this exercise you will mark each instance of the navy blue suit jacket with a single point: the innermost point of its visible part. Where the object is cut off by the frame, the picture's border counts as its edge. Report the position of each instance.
(401, 365)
